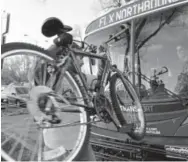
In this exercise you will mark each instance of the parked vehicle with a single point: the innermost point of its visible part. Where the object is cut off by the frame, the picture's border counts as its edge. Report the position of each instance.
(4, 99)
(15, 96)
(157, 63)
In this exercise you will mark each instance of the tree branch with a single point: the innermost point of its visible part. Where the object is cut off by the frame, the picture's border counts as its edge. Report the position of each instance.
(140, 27)
(156, 31)
(118, 3)
(108, 7)
(115, 3)
(127, 50)
(161, 19)
(128, 43)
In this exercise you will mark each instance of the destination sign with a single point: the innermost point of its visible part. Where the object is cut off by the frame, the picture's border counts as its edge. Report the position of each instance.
(130, 11)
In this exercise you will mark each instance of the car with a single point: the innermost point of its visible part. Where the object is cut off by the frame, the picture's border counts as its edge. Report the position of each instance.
(3, 87)
(4, 99)
(15, 95)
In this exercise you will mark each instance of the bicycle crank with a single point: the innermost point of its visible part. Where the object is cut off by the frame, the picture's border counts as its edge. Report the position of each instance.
(42, 105)
(105, 111)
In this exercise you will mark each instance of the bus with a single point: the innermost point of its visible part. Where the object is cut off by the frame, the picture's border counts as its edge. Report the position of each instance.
(153, 53)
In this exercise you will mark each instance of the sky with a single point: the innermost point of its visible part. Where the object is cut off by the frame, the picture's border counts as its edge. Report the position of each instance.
(27, 17)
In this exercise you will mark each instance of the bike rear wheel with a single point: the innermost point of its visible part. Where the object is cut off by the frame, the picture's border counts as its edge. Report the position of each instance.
(21, 139)
(127, 106)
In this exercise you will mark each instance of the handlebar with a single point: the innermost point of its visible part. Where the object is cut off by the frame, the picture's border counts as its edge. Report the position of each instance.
(65, 39)
(93, 48)
(124, 27)
(81, 42)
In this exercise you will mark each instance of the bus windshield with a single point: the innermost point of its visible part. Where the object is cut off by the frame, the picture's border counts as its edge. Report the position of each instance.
(160, 40)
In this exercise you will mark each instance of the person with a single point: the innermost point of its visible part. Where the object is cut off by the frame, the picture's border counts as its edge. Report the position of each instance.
(183, 57)
(182, 82)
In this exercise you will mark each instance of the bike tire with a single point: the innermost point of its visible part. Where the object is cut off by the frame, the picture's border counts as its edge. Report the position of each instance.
(134, 134)
(6, 50)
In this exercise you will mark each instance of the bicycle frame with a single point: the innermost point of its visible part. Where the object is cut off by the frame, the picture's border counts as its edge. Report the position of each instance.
(105, 73)
(107, 62)
(72, 60)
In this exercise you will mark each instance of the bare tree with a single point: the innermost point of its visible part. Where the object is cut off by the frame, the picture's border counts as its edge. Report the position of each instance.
(142, 40)
(108, 4)
(16, 69)
(162, 22)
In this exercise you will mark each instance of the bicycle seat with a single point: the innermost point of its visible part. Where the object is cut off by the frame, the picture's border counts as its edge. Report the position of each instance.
(53, 26)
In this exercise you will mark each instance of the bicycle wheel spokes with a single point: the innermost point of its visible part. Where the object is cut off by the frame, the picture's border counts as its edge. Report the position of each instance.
(26, 142)
(52, 142)
(125, 91)
(44, 74)
(17, 140)
(40, 149)
(34, 153)
(127, 103)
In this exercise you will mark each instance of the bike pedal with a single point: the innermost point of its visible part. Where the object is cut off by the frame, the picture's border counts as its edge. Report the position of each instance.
(126, 128)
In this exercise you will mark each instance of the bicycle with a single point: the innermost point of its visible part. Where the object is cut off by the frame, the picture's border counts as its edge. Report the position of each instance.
(59, 92)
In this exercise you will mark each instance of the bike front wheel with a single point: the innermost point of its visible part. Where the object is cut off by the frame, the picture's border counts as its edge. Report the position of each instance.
(21, 138)
(127, 105)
